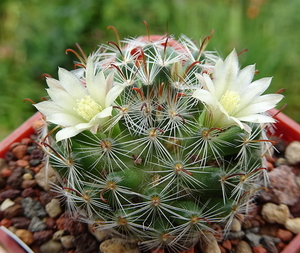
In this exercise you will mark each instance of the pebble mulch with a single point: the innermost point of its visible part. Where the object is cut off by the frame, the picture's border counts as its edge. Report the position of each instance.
(32, 212)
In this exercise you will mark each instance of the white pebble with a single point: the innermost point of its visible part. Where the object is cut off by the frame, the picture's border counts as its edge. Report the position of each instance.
(6, 204)
(273, 213)
(293, 225)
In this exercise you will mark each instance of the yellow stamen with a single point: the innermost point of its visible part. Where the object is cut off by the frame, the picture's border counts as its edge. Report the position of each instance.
(87, 108)
(230, 101)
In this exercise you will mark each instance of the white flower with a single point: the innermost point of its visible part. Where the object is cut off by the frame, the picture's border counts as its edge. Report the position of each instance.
(76, 106)
(232, 98)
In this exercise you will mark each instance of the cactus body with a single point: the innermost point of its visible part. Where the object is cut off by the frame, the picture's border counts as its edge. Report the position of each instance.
(162, 165)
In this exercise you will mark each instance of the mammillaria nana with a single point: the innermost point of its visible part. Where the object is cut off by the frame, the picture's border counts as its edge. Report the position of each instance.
(158, 139)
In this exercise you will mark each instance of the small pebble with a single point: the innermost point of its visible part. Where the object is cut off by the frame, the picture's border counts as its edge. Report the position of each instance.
(259, 249)
(236, 225)
(51, 247)
(22, 163)
(33, 208)
(284, 235)
(25, 235)
(268, 244)
(253, 239)
(273, 213)
(292, 152)
(293, 225)
(19, 151)
(41, 237)
(208, 244)
(6, 204)
(117, 245)
(27, 176)
(58, 234)
(6, 223)
(53, 208)
(243, 247)
(21, 222)
(6, 172)
(67, 241)
(36, 225)
(227, 244)
(13, 211)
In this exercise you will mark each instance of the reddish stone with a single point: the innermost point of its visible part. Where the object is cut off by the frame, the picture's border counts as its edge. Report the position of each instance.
(280, 246)
(22, 163)
(222, 249)
(19, 151)
(28, 192)
(51, 223)
(5, 222)
(26, 158)
(284, 235)
(6, 172)
(26, 141)
(259, 249)
(227, 244)
(234, 241)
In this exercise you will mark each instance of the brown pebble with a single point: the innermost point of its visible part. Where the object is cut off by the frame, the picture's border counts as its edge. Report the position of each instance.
(227, 244)
(22, 163)
(19, 151)
(259, 249)
(25, 235)
(28, 183)
(13, 211)
(5, 222)
(235, 241)
(43, 236)
(222, 249)
(28, 192)
(280, 246)
(51, 223)
(284, 235)
(21, 222)
(6, 173)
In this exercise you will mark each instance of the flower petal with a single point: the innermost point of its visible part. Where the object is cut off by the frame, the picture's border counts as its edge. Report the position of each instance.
(113, 93)
(71, 84)
(206, 97)
(260, 104)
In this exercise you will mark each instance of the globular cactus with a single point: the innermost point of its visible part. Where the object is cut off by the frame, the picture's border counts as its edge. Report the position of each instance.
(158, 139)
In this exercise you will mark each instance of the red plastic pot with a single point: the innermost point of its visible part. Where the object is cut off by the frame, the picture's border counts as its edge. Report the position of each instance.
(287, 129)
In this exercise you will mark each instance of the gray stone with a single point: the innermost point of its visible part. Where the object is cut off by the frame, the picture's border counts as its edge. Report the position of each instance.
(268, 244)
(33, 208)
(36, 225)
(235, 235)
(253, 239)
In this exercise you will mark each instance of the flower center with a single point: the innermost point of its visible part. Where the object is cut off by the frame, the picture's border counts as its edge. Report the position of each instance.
(230, 101)
(87, 108)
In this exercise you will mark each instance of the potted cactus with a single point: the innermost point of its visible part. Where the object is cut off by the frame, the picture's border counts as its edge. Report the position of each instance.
(158, 140)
